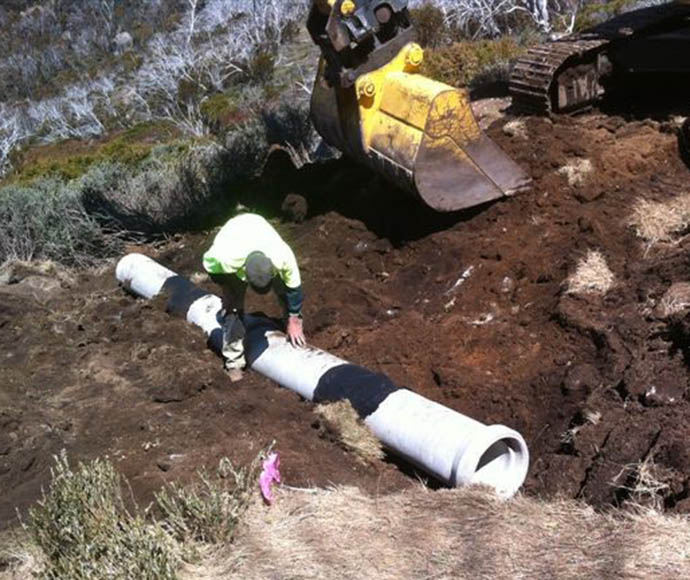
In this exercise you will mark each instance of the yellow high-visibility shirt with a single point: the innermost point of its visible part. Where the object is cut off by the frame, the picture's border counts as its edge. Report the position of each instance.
(244, 234)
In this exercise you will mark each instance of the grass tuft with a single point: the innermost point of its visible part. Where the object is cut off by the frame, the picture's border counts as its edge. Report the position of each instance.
(592, 275)
(656, 222)
(342, 422)
(576, 171)
(81, 529)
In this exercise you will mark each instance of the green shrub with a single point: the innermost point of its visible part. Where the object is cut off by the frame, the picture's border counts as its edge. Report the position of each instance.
(429, 25)
(78, 208)
(72, 159)
(83, 528)
(46, 220)
(591, 14)
(174, 189)
(220, 112)
(261, 66)
(467, 63)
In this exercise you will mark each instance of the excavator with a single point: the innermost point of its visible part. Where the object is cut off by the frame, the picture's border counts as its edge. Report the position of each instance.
(572, 73)
(370, 101)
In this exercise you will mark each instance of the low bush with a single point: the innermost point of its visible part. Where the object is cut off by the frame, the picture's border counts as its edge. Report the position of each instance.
(429, 23)
(72, 158)
(470, 63)
(81, 529)
(80, 209)
(46, 220)
(597, 12)
(85, 531)
(209, 511)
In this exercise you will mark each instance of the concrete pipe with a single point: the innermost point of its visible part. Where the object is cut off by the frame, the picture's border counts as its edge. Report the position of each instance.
(452, 447)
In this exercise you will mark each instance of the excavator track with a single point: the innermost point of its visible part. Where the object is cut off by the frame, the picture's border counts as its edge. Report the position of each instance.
(565, 75)
(533, 75)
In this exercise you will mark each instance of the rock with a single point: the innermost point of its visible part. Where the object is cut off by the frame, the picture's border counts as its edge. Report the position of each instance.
(507, 285)
(675, 301)
(656, 383)
(294, 207)
(516, 128)
(582, 379)
(164, 464)
(122, 42)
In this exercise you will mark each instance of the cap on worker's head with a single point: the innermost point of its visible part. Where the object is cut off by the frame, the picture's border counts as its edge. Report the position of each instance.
(259, 271)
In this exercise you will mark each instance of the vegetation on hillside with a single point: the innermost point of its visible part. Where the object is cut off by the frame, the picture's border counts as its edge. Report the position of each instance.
(144, 116)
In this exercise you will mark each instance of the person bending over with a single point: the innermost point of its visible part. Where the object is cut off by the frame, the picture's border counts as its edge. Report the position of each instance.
(248, 251)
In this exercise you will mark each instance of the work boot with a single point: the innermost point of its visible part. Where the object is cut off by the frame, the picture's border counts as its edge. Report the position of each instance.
(235, 374)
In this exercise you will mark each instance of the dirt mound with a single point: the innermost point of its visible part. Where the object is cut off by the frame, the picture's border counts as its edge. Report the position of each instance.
(468, 309)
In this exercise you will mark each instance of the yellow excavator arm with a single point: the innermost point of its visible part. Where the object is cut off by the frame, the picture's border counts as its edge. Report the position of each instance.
(370, 101)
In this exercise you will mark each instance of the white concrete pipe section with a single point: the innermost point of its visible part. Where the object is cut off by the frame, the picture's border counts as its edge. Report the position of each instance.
(449, 445)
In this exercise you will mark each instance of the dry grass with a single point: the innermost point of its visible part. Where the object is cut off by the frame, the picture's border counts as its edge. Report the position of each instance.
(592, 275)
(656, 222)
(466, 533)
(577, 171)
(463, 533)
(644, 482)
(20, 558)
(343, 422)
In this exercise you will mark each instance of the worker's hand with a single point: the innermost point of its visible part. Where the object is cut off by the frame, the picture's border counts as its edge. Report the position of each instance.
(295, 332)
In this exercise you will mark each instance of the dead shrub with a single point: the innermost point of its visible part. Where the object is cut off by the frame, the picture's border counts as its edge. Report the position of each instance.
(592, 275)
(342, 422)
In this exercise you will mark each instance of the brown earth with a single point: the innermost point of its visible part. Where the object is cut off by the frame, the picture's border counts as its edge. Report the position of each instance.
(467, 309)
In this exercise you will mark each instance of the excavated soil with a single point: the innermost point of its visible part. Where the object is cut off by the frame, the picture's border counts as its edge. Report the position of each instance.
(468, 309)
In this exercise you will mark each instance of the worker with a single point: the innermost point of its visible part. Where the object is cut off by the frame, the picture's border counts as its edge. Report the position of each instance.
(248, 251)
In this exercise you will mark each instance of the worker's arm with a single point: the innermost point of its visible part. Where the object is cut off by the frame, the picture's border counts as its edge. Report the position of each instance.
(289, 274)
(293, 298)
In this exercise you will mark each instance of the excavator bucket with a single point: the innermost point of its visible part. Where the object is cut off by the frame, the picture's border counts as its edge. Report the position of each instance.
(419, 133)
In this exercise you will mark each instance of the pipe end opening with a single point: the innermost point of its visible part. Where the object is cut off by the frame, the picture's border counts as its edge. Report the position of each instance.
(499, 461)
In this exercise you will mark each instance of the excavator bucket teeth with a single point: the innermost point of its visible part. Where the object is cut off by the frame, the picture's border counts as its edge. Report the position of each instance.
(457, 166)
